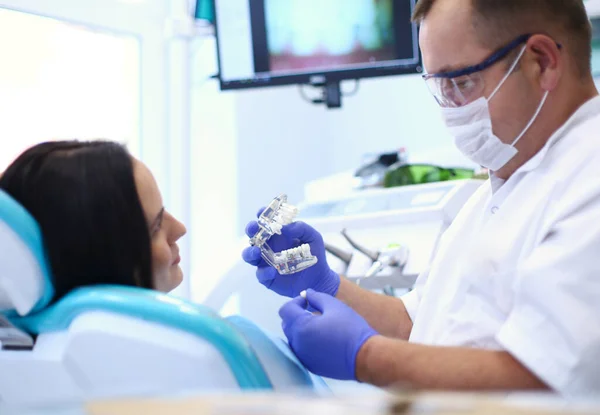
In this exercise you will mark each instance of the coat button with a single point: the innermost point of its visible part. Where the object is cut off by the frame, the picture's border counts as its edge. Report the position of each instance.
(495, 210)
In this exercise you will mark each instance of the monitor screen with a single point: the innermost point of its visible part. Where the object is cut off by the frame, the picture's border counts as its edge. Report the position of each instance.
(279, 42)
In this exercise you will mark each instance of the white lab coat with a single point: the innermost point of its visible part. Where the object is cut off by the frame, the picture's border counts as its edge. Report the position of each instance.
(519, 268)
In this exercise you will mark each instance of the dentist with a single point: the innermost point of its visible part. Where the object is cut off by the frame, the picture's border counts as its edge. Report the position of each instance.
(512, 299)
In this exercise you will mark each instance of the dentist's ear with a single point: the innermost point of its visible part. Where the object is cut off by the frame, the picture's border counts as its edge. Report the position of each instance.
(548, 59)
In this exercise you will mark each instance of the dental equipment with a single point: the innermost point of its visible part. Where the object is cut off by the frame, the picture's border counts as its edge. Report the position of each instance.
(394, 256)
(340, 254)
(278, 214)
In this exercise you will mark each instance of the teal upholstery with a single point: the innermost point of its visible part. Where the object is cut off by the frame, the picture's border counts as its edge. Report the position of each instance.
(23, 224)
(159, 308)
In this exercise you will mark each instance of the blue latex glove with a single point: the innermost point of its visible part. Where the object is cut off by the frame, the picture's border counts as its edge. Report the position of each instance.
(326, 343)
(319, 277)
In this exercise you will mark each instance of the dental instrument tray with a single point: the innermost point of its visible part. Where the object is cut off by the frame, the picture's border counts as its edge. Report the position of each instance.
(271, 221)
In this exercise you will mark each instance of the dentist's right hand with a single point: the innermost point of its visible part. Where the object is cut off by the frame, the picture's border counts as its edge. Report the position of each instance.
(319, 277)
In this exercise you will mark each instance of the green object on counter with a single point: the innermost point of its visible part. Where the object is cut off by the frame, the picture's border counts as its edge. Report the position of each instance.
(408, 174)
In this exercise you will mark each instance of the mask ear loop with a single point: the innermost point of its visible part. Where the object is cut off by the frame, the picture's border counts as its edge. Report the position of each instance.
(509, 73)
(532, 120)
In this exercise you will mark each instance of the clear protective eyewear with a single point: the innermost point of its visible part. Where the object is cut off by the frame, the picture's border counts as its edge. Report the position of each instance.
(458, 88)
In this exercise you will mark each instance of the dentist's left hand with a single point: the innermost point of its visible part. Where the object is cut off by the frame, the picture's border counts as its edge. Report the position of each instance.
(319, 277)
(326, 343)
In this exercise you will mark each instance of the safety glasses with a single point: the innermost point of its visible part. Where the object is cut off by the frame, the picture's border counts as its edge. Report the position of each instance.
(460, 87)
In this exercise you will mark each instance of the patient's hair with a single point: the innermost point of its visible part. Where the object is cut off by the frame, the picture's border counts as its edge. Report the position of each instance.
(84, 197)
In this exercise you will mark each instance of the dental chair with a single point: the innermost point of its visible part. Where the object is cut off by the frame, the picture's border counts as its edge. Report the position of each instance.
(109, 341)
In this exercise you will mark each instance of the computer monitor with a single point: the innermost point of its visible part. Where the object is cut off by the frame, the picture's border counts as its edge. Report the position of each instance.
(319, 42)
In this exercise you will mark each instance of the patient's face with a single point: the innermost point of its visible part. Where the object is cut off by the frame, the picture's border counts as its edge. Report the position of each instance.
(165, 231)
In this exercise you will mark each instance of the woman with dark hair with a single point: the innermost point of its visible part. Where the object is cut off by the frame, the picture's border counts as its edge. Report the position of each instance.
(100, 213)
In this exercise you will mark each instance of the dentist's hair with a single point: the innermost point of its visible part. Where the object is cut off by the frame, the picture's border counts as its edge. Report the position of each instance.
(83, 196)
(499, 21)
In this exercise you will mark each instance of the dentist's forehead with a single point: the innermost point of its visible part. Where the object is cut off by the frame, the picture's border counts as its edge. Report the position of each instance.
(448, 39)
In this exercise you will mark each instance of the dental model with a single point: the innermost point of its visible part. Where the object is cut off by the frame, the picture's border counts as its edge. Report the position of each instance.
(277, 215)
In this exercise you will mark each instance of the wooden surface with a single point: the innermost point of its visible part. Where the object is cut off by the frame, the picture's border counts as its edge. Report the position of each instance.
(275, 404)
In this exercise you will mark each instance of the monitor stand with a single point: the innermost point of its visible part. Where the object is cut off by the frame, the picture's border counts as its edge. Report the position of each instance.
(332, 94)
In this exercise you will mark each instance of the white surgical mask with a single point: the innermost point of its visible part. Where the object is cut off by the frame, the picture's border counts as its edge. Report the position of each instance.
(471, 126)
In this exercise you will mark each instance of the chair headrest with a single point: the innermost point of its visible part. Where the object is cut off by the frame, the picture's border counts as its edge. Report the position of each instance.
(25, 281)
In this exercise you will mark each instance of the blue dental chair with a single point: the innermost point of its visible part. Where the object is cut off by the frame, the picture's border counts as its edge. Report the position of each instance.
(108, 341)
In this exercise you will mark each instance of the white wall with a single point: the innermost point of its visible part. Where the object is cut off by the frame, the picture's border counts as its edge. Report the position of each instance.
(283, 141)
(213, 226)
(59, 81)
(389, 113)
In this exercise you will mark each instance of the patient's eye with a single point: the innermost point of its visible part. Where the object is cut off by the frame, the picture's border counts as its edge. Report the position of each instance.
(157, 224)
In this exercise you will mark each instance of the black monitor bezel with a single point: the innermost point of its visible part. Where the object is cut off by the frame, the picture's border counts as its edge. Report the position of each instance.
(322, 76)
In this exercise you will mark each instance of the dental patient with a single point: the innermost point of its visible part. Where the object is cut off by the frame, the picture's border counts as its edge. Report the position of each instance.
(101, 215)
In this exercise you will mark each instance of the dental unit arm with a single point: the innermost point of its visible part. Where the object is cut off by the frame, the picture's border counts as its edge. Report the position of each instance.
(372, 255)
(271, 221)
(393, 255)
(340, 254)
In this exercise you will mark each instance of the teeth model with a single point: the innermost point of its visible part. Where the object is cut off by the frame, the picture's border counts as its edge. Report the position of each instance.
(284, 216)
(278, 214)
(294, 260)
(303, 251)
